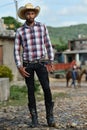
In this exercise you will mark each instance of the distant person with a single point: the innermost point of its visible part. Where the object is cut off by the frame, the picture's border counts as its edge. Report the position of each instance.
(74, 75)
(34, 38)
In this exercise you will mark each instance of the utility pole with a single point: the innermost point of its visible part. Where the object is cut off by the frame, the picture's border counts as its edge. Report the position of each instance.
(16, 7)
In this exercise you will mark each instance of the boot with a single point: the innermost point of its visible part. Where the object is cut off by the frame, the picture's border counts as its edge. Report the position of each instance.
(34, 122)
(49, 115)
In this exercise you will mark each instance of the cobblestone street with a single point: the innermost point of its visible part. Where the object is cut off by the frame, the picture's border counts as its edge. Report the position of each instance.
(70, 112)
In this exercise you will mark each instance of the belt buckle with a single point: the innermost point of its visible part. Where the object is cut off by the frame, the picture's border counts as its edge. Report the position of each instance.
(36, 61)
(25, 61)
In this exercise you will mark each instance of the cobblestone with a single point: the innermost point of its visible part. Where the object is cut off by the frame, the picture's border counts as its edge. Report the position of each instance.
(70, 112)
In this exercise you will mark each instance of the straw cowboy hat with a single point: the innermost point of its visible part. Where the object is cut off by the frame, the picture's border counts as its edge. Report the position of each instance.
(29, 6)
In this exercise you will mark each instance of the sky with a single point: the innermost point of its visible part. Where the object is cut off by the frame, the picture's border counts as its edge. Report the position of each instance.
(55, 13)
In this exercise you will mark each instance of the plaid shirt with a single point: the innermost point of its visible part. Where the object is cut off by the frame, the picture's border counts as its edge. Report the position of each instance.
(34, 41)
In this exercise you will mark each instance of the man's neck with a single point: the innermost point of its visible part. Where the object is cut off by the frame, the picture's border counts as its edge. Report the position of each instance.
(30, 24)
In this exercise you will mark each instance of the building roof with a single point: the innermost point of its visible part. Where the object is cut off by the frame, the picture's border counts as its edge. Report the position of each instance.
(75, 51)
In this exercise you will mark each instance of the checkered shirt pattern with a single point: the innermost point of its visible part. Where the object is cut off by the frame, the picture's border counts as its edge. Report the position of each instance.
(35, 42)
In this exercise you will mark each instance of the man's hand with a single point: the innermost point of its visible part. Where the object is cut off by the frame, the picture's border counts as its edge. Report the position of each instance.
(23, 72)
(50, 67)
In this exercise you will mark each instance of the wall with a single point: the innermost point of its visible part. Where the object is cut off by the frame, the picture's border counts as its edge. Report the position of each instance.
(1, 54)
(4, 89)
(8, 55)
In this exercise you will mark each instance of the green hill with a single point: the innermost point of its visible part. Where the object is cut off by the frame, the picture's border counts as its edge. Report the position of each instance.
(64, 34)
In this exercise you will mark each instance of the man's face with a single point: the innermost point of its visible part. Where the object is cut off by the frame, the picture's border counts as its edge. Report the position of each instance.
(30, 16)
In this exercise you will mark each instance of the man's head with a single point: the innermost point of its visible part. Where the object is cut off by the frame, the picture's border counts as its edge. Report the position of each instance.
(26, 9)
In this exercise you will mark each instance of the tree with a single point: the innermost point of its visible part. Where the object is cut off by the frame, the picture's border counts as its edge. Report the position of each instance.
(11, 23)
(61, 46)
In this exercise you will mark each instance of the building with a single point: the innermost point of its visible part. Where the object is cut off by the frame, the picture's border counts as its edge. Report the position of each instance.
(6, 49)
(77, 51)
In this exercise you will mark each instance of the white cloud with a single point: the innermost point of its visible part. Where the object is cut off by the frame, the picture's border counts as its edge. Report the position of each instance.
(84, 1)
(74, 10)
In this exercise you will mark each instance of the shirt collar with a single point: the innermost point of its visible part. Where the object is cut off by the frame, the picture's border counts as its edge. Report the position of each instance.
(26, 26)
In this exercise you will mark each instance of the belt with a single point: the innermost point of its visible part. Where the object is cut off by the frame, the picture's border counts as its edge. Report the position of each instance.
(35, 61)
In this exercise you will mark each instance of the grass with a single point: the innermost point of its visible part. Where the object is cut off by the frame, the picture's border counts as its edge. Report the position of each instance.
(19, 97)
(60, 95)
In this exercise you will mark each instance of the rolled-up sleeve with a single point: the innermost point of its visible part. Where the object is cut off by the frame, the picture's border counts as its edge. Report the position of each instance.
(17, 46)
(48, 45)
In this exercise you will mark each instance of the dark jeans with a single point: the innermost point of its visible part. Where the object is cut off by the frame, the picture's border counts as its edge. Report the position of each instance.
(42, 74)
(73, 82)
(74, 76)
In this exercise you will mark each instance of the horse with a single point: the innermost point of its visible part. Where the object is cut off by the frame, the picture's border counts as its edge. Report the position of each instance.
(78, 76)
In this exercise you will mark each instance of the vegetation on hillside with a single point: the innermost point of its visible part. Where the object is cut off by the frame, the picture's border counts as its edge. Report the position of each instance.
(59, 35)
(67, 33)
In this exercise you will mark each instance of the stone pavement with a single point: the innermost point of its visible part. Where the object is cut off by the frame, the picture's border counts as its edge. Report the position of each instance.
(70, 112)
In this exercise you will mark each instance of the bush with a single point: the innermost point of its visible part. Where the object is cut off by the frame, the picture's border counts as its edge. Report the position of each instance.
(6, 72)
(17, 92)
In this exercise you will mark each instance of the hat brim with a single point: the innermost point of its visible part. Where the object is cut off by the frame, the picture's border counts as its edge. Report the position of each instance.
(22, 10)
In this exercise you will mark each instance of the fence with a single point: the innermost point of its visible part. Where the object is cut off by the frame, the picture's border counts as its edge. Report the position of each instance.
(61, 66)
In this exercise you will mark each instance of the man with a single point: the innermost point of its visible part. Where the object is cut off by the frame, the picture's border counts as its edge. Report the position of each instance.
(34, 38)
(74, 75)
